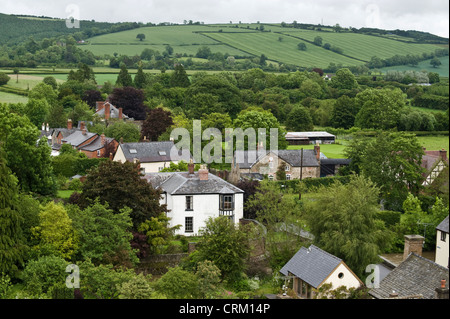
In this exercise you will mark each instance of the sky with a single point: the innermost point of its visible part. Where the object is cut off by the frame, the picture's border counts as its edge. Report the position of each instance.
(422, 15)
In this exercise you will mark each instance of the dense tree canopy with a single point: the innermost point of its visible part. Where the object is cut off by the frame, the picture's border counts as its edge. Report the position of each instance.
(121, 185)
(343, 220)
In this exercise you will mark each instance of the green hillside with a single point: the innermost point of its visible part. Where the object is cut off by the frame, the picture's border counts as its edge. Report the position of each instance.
(16, 29)
(277, 43)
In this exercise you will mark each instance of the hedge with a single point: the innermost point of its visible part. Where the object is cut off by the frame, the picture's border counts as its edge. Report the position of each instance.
(311, 183)
(431, 101)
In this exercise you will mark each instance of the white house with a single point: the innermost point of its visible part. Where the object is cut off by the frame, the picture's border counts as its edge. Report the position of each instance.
(311, 268)
(193, 197)
(442, 247)
(152, 156)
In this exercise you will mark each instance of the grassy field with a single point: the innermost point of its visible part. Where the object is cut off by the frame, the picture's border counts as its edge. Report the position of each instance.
(431, 143)
(246, 40)
(284, 51)
(12, 98)
(364, 47)
(183, 39)
(442, 70)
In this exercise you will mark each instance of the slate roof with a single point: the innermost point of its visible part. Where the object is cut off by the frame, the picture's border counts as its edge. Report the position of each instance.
(292, 157)
(312, 265)
(181, 183)
(77, 137)
(416, 275)
(96, 144)
(113, 111)
(147, 152)
(443, 226)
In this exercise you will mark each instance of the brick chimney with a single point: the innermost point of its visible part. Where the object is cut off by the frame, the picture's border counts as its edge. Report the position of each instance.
(413, 244)
(69, 124)
(99, 105)
(443, 154)
(317, 151)
(82, 125)
(191, 167)
(203, 173)
(107, 111)
(102, 139)
(442, 291)
(120, 113)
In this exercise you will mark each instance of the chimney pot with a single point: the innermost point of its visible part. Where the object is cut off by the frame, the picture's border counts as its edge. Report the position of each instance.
(47, 128)
(120, 113)
(393, 294)
(43, 127)
(191, 167)
(203, 173)
(443, 282)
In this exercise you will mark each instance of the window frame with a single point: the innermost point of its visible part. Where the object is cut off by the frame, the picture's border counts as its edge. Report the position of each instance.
(189, 207)
(189, 224)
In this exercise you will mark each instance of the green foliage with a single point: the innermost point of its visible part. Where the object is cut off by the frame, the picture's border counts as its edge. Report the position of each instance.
(178, 284)
(55, 229)
(4, 78)
(389, 217)
(104, 281)
(343, 220)
(124, 78)
(226, 245)
(392, 161)
(103, 233)
(379, 109)
(280, 213)
(299, 120)
(158, 232)
(28, 160)
(127, 131)
(121, 186)
(344, 80)
(41, 274)
(11, 241)
(138, 287)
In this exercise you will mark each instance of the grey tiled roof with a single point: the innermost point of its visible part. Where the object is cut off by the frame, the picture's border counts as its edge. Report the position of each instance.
(416, 275)
(114, 112)
(181, 183)
(96, 144)
(443, 226)
(147, 152)
(312, 265)
(292, 157)
(77, 137)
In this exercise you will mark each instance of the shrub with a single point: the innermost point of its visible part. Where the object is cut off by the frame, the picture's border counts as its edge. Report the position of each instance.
(43, 273)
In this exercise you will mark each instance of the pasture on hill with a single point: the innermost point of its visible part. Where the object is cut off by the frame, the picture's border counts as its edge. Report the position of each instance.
(275, 42)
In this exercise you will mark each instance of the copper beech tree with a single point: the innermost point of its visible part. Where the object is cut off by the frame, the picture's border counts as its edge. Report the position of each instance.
(121, 186)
